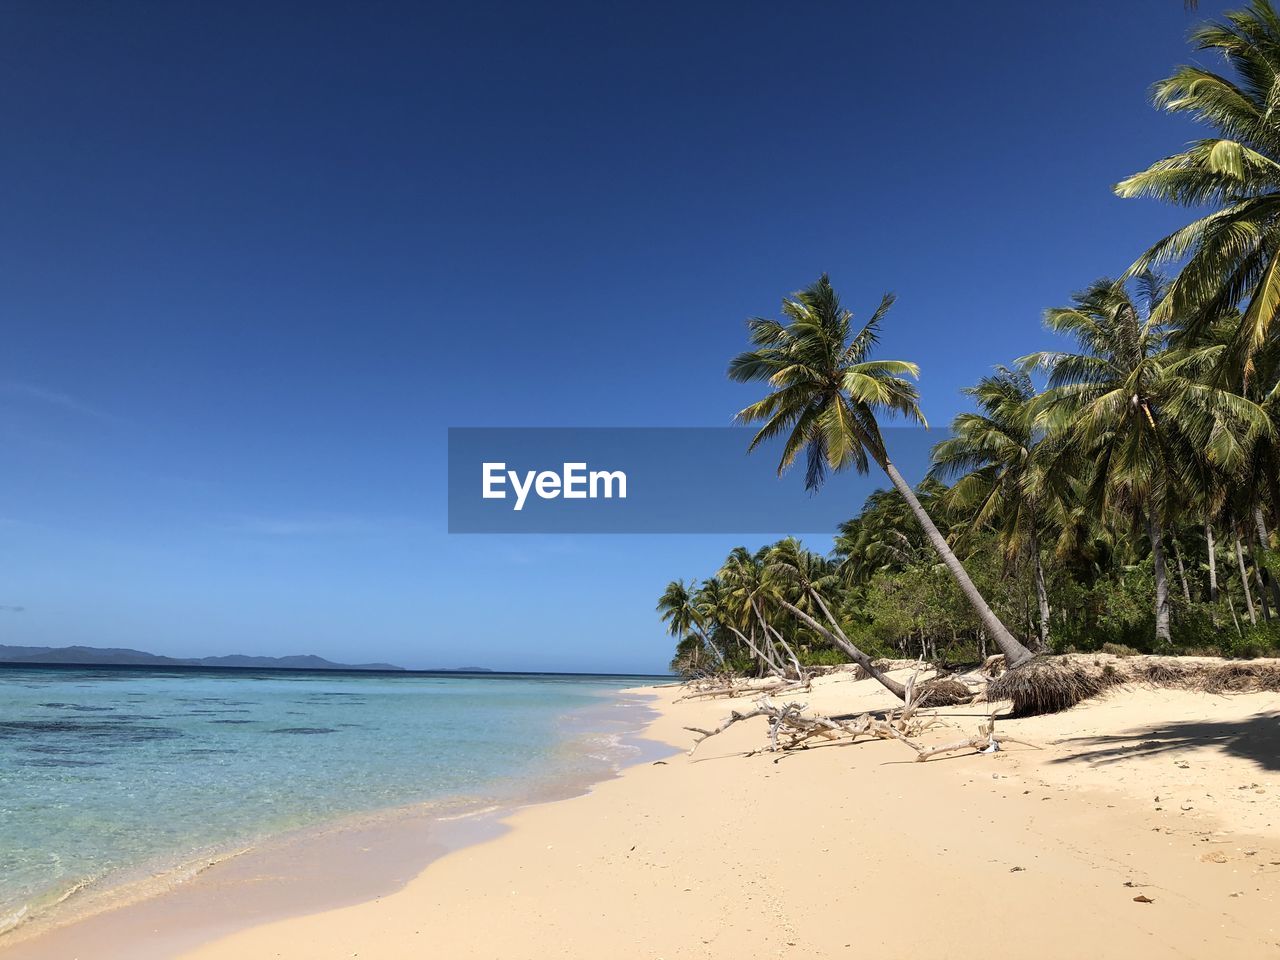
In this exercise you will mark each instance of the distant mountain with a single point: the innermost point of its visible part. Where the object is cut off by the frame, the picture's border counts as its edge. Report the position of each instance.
(121, 656)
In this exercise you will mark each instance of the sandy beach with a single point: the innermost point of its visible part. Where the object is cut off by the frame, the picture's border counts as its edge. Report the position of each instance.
(844, 850)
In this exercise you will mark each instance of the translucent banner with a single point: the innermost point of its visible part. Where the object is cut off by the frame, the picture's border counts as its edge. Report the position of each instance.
(652, 480)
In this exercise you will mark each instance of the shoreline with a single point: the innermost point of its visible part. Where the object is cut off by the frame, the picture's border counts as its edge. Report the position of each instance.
(845, 848)
(211, 893)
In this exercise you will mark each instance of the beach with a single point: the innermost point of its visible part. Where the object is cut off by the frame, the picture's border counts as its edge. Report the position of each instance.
(172, 806)
(1147, 824)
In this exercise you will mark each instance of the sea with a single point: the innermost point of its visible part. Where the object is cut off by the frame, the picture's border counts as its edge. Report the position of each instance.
(107, 774)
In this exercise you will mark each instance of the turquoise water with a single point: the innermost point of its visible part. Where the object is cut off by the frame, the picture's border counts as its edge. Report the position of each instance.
(106, 771)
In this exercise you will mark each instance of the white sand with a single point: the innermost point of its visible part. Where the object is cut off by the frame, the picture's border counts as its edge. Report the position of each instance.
(856, 850)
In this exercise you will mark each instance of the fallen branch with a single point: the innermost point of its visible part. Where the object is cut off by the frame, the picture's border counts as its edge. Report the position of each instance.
(743, 688)
(791, 726)
(987, 741)
(792, 721)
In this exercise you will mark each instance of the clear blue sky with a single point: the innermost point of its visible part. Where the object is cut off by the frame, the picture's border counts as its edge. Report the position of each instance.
(256, 258)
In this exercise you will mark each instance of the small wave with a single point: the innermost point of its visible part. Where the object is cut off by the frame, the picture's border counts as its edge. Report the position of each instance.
(492, 808)
(26, 912)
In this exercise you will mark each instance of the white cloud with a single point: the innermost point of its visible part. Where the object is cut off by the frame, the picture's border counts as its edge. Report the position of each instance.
(54, 398)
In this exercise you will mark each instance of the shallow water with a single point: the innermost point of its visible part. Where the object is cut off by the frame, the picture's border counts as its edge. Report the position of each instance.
(103, 772)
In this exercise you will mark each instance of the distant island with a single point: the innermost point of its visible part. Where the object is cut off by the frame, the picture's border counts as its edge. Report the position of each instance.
(119, 656)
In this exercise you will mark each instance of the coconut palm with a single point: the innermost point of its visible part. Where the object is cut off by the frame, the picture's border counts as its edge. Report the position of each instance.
(745, 589)
(1233, 252)
(1127, 407)
(680, 613)
(825, 397)
(1108, 403)
(997, 458)
(1242, 467)
(884, 536)
(809, 576)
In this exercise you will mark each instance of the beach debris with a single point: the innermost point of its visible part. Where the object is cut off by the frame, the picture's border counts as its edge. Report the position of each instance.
(1217, 856)
(986, 739)
(1053, 684)
(730, 687)
(791, 726)
(1142, 898)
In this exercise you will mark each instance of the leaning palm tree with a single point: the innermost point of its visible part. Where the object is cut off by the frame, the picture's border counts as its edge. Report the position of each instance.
(680, 614)
(825, 397)
(997, 458)
(741, 580)
(808, 576)
(1232, 253)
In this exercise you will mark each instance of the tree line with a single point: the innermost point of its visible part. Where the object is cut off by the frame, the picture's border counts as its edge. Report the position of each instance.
(1120, 492)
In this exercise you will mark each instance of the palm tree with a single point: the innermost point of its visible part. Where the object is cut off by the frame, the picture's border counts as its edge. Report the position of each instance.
(997, 459)
(1126, 406)
(809, 575)
(1232, 253)
(884, 536)
(743, 578)
(1240, 466)
(1107, 401)
(825, 396)
(680, 614)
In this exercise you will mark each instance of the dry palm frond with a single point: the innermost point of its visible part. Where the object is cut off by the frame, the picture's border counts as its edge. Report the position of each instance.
(1052, 684)
(1161, 673)
(944, 692)
(1242, 677)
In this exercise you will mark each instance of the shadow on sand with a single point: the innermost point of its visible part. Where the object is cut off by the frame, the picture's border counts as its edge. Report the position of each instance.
(1256, 739)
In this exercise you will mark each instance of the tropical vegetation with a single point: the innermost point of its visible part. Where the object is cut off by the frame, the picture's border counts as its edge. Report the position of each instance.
(1120, 492)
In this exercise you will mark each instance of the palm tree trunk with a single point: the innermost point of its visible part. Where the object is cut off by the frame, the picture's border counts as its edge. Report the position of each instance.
(1260, 557)
(858, 657)
(1156, 532)
(1182, 570)
(791, 654)
(755, 605)
(706, 642)
(1213, 562)
(1259, 573)
(1042, 593)
(1014, 652)
(1213, 572)
(1231, 604)
(752, 646)
(826, 612)
(1244, 581)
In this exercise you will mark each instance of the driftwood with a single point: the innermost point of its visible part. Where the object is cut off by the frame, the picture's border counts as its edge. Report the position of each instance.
(987, 741)
(792, 726)
(742, 688)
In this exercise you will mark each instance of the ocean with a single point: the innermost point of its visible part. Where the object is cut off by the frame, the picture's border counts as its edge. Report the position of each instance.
(108, 774)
